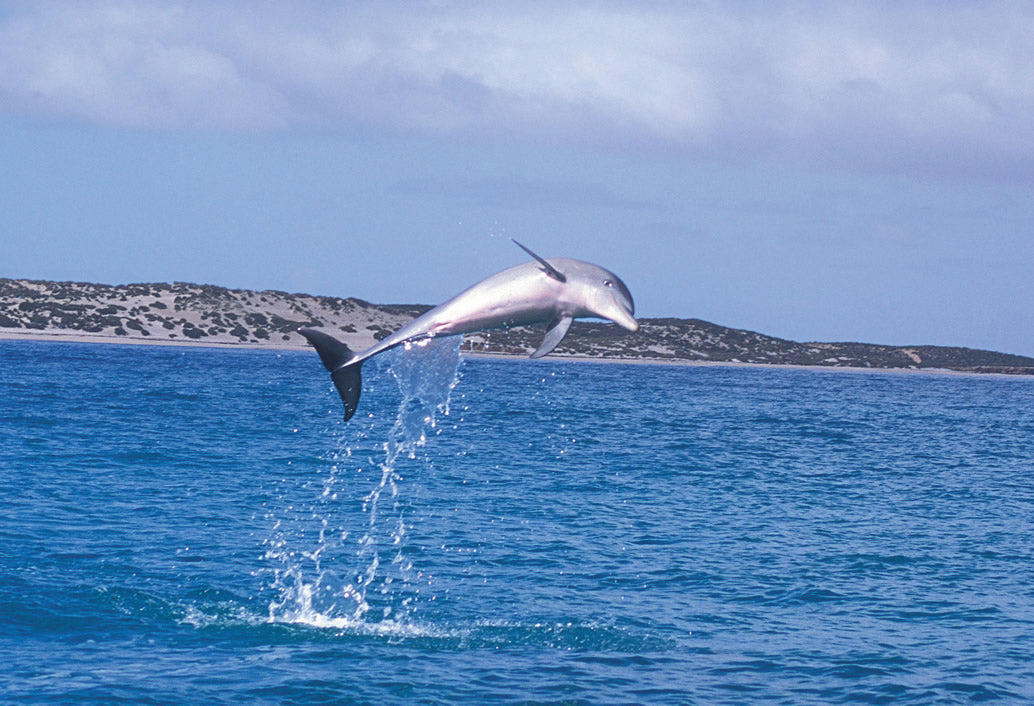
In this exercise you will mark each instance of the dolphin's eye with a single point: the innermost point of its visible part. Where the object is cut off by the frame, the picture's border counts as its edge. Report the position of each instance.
(607, 283)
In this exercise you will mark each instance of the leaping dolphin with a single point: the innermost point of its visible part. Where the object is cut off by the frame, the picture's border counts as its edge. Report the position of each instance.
(556, 291)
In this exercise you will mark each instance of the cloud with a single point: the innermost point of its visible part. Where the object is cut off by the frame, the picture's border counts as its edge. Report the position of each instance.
(892, 85)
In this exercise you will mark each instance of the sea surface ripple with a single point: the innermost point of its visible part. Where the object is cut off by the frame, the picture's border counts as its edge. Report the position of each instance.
(188, 525)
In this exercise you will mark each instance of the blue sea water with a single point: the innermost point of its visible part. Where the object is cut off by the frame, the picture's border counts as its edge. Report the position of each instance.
(188, 525)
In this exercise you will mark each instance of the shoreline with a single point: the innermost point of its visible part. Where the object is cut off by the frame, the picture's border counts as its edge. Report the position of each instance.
(184, 314)
(680, 363)
(77, 337)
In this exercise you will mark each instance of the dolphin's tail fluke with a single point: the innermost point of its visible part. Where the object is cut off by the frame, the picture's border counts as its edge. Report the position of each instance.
(335, 356)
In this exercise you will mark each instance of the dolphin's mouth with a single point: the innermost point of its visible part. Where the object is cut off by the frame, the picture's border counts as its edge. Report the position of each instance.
(625, 320)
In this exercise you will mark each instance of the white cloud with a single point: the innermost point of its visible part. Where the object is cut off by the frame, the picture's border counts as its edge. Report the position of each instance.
(888, 84)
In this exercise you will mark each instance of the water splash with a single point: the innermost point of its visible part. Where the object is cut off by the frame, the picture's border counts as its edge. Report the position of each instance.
(367, 581)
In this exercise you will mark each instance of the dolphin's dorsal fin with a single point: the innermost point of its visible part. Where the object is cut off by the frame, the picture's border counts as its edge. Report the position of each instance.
(554, 335)
(550, 270)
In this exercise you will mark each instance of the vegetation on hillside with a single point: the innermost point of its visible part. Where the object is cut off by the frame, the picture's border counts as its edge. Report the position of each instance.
(211, 314)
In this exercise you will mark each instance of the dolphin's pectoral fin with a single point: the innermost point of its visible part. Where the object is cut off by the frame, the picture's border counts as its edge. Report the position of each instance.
(554, 335)
(334, 355)
(549, 269)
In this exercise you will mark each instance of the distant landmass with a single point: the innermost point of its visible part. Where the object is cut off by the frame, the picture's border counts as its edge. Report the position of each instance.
(208, 314)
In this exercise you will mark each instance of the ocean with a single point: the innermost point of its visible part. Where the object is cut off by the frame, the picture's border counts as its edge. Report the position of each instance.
(191, 525)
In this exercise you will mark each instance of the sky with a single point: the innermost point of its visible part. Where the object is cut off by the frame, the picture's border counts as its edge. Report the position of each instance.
(842, 171)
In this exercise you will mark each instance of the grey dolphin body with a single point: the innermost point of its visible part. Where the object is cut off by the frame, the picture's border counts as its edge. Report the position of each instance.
(554, 291)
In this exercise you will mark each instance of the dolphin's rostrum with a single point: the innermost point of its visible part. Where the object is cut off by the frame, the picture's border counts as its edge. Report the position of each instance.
(554, 291)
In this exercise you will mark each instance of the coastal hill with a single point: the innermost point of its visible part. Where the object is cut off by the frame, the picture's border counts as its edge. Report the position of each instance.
(211, 315)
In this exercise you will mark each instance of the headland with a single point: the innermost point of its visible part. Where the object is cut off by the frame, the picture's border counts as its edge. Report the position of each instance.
(197, 314)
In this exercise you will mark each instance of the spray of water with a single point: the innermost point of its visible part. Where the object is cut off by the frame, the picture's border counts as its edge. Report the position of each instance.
(368, 583)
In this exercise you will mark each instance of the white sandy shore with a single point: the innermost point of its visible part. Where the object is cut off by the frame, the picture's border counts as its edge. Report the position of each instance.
(301, 345)
(7, 334)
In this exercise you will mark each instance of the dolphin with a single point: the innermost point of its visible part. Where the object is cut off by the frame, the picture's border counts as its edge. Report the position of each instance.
(554, 291)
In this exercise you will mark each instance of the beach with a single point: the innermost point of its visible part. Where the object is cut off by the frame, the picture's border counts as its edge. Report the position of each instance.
(301, 345)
